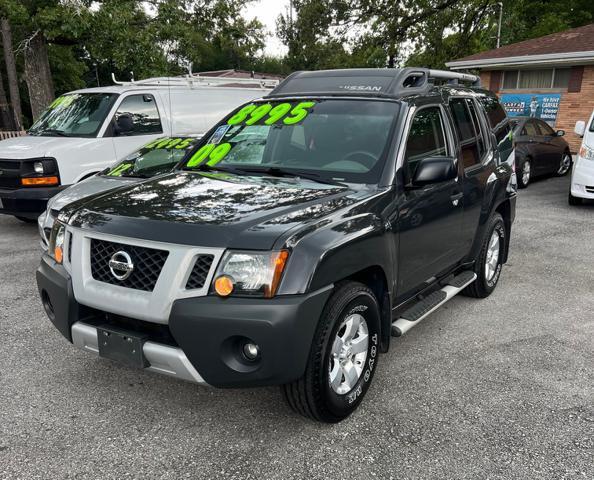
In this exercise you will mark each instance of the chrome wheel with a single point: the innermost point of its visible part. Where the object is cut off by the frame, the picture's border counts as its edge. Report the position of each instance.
(492, 256)
(526, 172)
(348, 354)
(565, 164)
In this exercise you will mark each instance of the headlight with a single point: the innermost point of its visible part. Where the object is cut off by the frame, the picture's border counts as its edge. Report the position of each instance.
(38, 167)
(250, 273)
(586, 153)
(56, 242)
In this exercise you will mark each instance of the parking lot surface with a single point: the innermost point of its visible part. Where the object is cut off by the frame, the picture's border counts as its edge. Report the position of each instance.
(494, 388)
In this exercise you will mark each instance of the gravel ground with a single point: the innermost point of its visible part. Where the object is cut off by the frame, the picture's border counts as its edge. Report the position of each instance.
(494, 388)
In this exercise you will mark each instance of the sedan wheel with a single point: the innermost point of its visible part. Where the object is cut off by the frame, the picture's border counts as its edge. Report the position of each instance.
(524, 176)
(565, 164)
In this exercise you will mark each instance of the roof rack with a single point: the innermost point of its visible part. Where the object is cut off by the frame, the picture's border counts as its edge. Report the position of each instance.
(195, 79)
(380, 82)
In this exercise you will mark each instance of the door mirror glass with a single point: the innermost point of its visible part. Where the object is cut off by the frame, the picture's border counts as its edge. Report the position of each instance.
(560, 133)
(432, 170)
(123, 124)
(580, 128)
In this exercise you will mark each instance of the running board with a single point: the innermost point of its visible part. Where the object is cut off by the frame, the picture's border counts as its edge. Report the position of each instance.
(432, 302)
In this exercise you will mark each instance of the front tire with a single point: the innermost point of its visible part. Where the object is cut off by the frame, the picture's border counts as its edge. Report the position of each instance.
(574, 201)
(564, 164)
(524, 173)
(490, 259)
(342, 358)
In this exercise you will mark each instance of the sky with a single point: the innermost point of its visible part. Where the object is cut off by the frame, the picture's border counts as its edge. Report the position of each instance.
(267, 12)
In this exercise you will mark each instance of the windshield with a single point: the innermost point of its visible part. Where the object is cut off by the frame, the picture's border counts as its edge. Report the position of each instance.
(159, 156)
(74, 115)
(339, 140)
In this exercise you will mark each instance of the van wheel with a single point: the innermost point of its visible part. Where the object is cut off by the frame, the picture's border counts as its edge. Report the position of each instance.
(489, 261)
(342, 358)
(25, 219)
(524, 173)
(574, 200)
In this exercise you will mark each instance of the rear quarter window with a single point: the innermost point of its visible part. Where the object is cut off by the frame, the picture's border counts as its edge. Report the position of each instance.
(500, 125)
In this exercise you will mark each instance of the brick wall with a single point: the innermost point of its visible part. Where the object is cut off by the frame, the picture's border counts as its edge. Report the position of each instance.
(574, 106)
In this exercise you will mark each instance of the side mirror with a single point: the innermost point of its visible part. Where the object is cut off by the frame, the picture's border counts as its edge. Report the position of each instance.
(560, 133)
(124, 124)
(434, 170)
(580, 128)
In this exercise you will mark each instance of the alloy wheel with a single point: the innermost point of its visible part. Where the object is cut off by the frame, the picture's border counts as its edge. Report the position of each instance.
(348, 354)
(565, 164)
(492, 258)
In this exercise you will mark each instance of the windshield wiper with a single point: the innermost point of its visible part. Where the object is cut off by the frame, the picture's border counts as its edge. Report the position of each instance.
(54, 131)
(216, 168)
(281, 172)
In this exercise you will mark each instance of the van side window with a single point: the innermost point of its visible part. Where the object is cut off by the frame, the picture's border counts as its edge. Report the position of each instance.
(426, 139)
(143, 111)
(471, 142)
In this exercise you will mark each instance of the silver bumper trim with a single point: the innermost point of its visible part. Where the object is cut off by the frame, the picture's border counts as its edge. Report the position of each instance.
(162, 359)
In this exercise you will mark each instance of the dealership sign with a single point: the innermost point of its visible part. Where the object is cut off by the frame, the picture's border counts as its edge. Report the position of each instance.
(543, 106)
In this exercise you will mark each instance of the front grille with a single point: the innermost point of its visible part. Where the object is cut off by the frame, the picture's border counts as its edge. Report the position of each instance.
(148, 263)
(200, 272)
(10, 176)
(590, 189)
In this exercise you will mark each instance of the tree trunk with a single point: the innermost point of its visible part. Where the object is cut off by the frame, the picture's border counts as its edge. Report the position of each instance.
(6, 120)
(38, 74)
(11, 73)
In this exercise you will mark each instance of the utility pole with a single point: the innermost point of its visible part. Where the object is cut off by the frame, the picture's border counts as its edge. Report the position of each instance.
(499, 24)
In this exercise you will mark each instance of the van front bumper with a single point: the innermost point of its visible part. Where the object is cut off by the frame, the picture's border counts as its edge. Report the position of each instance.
(204, 339)
(27, 202)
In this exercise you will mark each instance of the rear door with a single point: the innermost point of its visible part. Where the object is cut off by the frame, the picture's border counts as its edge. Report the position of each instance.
(477, 160)
(430, 218)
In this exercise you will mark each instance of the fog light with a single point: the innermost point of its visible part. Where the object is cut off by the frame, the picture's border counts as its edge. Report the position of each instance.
(38, 167)
(251, 351)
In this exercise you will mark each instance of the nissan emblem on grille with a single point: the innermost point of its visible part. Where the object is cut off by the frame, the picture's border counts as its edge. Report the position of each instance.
(121, 265)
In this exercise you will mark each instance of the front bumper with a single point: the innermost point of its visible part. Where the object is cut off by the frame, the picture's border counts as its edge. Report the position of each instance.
(582, 178)
(26, 202)
(202, 341)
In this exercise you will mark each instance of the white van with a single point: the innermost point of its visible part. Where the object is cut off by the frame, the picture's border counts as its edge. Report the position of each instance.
(85, 131)
(582, 175)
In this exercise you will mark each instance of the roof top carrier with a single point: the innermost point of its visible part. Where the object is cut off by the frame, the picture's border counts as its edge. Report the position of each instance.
(381, 82)
(195, 79)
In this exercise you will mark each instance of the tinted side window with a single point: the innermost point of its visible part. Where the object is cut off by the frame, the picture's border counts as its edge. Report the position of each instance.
(530, 129)
(478, 129)
(545, 129)
(426, 139)
(144, 113)
(470, 143)
(500, 125)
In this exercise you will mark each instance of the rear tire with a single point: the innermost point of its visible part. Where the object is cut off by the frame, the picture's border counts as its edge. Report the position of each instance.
(524, 173)
(25, 219)
(489, 261)
(333, 384)
(574, 201)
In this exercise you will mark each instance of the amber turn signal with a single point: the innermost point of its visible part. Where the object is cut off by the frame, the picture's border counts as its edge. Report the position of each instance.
(58, 254)
(223, 285)
(38, 181)
(279, 260)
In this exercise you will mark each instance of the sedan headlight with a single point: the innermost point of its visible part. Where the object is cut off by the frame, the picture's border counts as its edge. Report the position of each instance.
(56, 242)
(587, 153)
(250, 273)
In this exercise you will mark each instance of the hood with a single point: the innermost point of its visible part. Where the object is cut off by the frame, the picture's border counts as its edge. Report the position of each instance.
(90, 186)
(30, 146)
(211, 209)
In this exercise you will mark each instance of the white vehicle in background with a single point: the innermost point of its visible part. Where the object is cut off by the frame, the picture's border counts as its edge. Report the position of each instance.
(582, 175)
(159, 156)
(85, 131)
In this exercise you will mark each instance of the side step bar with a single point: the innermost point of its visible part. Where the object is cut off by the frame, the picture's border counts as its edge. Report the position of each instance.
(432, 302)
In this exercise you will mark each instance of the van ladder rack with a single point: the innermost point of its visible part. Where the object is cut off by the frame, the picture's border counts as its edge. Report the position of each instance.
(196, 79)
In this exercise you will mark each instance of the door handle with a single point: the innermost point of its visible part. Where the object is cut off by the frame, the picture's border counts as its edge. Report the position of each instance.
(456, 198)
